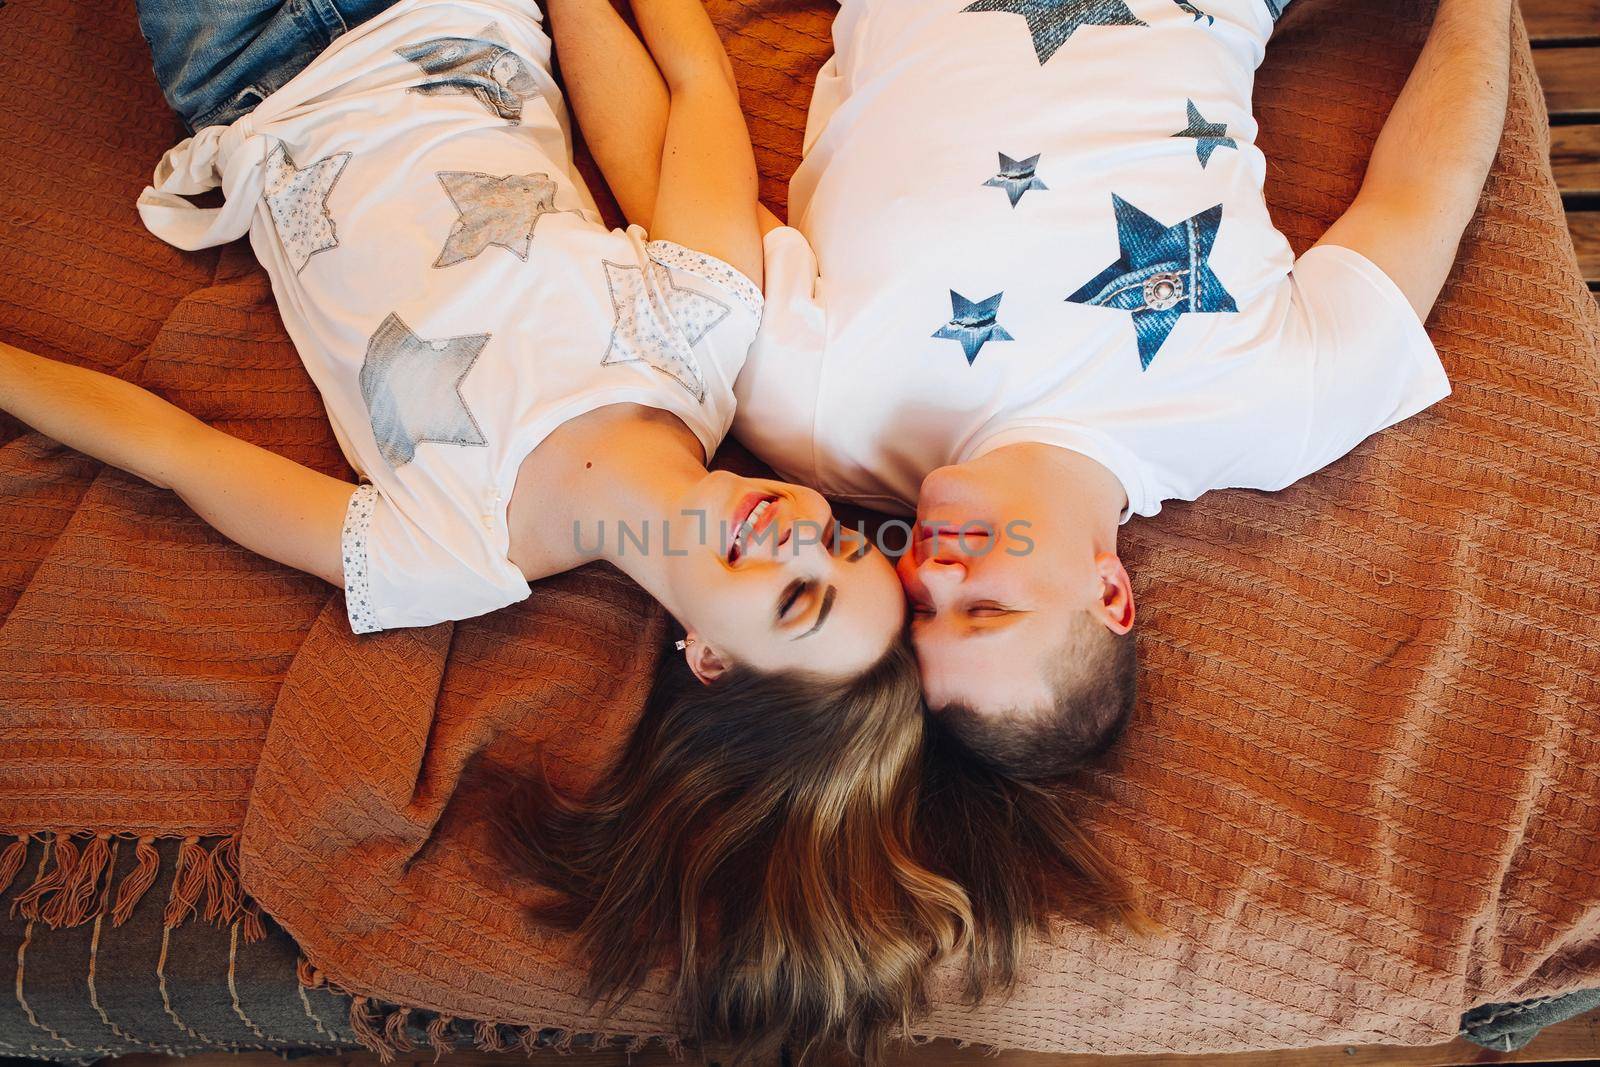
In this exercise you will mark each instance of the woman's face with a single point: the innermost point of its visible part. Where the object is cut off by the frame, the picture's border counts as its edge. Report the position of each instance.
(767, 580)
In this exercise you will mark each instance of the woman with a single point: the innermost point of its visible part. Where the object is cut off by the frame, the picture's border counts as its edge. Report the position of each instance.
(525, 392)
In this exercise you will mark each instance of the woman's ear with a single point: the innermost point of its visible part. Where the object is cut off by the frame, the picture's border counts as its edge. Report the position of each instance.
(1115, 610)
(703, 660)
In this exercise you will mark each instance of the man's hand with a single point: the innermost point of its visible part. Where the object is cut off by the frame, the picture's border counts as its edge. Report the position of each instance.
(1429, 166)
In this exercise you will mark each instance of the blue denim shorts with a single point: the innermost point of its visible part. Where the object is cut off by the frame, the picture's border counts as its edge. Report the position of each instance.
(217, 59)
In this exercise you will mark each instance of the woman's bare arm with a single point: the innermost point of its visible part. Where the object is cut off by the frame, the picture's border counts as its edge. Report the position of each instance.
(270, 505)
(1429, 166)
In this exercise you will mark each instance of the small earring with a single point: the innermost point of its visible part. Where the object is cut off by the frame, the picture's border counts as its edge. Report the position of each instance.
(684, 644)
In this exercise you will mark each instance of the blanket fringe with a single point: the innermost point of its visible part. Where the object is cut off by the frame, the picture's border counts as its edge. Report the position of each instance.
(395, 1031)
(386, 1028)
(308, 974)
(362, 1026)
(224, 894)
(75, 901)
(11, 861)
(147, 864)
(78, 883)
(439, 1036)
(63, 861)
(528, 1040)
(255, 924)
(486, 1037)
(188, 883)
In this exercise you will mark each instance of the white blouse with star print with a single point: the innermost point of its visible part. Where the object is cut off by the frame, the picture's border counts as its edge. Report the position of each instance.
(1042, 221)
(441, 268)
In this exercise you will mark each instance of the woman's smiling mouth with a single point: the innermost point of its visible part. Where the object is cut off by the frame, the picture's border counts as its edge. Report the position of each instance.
(755, 514)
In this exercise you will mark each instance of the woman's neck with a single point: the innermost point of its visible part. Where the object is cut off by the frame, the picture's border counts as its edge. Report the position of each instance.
(622, 467)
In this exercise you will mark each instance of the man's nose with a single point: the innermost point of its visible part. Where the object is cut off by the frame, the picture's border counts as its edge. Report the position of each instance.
(942, 575)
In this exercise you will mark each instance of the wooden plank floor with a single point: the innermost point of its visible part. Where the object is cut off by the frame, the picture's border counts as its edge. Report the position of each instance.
(1566, 41)
(1575, 1041)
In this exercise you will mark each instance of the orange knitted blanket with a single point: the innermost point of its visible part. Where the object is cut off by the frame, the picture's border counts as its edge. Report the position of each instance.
(1363, 789)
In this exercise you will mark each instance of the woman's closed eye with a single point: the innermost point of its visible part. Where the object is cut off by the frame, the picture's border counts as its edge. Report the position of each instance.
(796, 603)
(789, 602)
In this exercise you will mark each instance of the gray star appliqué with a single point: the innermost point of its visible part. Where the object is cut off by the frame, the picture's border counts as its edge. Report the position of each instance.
(659, 323)
(1208, 136)
(494, 211)
(1211, 20)
(1052, 22)
(974, 324)
(298, 202)
(1016, 177)
(483, 66)
(412, 387)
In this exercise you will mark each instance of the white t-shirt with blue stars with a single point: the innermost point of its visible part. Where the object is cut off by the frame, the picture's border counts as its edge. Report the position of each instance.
(441, 268)
(1042, 221)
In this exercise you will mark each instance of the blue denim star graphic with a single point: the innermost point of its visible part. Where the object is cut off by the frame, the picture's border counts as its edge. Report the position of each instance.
(1211, 20)
(412, 387)
(1016, 177)
(973, 324)
(1208, 136)
(484, 67)
(1052, 22)
(1275, 8)
(1164, 274)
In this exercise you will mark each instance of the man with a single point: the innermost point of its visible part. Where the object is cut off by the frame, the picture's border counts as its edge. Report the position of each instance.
(1035, 290)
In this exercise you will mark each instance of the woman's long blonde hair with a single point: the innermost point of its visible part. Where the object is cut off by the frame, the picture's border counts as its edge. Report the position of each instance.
(801, 853)
(757, 836)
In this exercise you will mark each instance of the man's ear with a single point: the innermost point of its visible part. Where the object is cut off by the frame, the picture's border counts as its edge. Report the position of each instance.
(704, 661)
(1115, 609)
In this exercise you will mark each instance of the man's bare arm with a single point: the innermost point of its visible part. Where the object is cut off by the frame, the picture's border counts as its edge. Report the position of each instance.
(708, 190)
(1428, 169)
(619, 97)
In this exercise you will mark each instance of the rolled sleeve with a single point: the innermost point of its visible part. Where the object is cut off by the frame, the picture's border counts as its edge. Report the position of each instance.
(1369, 362)
(397, 574)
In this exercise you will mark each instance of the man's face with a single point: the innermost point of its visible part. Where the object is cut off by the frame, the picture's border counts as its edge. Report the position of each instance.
(995, 574)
